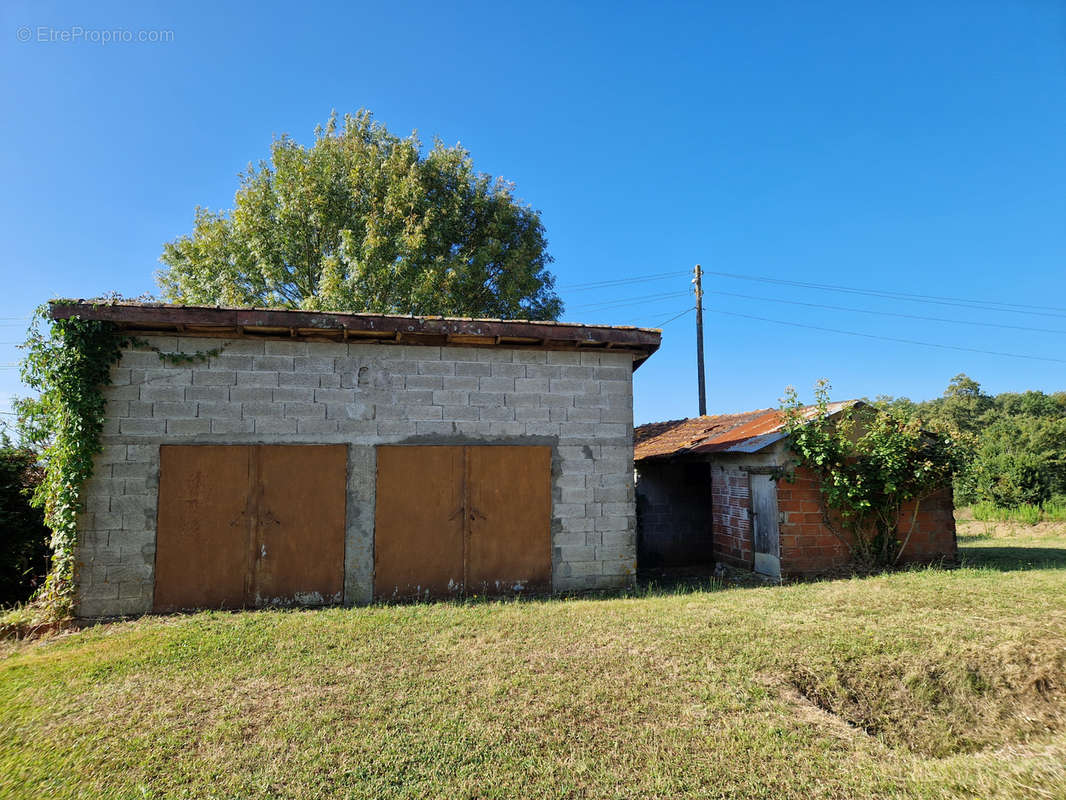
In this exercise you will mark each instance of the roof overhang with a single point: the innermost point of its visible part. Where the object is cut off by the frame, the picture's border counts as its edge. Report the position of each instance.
(382, 328)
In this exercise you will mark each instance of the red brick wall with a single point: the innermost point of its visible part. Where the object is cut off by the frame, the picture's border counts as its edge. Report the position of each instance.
(810, 548)
(731, 516)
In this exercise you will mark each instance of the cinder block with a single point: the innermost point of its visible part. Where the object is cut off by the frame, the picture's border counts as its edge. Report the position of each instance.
(425, 413)
(273, 363)
(482, 399)
(187, 427)
(306, 410)
(334, 396)
(152, 394)
(564, 357)
(218, 410)
(436, 368)
(435, 428)
(142, 427)
(181, 409)
(531, 385)
(510, 429)
(214, 377)
(209, 393)
(461, 413)
(257, 378)
(497, 414)
(219, 425)
(495, 384)
(424, 382)
(257, 394)
(465, 383)
(474, 370)
(274, 425)
(304, 379)
(172, 376)
(310, 425)
(282, 348)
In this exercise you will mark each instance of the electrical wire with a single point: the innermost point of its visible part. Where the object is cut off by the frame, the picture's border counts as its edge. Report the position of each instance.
(626, 301)
(984, 305)
(674, 318)
(884, 313)
(885, 338)
(581, 287)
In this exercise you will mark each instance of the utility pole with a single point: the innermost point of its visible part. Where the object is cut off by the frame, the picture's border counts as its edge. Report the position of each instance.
(698, 281)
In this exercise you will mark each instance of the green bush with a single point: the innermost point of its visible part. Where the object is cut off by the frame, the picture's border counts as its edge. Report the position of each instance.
(24, 550)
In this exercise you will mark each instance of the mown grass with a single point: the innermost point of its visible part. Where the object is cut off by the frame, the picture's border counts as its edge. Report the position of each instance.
(927, 683)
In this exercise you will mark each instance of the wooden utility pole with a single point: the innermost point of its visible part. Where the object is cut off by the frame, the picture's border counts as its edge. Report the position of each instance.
(698, 281)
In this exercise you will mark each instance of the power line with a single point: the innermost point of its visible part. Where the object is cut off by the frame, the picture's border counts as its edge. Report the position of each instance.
(581, 287)
(983, 305)
(885, 313)
(625, 301)
(667, 321)
(888, 338)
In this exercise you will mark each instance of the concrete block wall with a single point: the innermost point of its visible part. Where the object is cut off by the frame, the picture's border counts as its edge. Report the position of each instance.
(674, 514)
(731, 516)
(363, 395)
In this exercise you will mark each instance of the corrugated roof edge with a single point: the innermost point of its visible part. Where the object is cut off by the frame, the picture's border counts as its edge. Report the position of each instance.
(384, 328)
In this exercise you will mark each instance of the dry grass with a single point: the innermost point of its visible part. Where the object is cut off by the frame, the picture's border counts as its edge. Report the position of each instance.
(922, 684)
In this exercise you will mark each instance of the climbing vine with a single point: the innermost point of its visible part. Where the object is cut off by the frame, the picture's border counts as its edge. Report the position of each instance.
(869, 465)
(69, 364)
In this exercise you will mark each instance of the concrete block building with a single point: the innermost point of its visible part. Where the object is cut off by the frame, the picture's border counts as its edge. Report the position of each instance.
(266, 457)
(706, 493)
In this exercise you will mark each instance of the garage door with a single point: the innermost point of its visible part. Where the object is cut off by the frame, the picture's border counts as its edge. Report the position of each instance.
(242, 526)
(451, 520)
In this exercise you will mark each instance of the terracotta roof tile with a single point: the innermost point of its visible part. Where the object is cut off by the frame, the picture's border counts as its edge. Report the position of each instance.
(748, 432)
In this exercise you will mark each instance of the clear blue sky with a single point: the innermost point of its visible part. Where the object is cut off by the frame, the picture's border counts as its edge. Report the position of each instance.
(908, 147)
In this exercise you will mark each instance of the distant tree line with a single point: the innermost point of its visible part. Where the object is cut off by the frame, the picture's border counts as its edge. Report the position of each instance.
(1013, 445)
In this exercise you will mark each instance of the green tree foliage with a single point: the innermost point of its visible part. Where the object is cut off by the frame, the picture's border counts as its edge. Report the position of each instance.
(363, 220)
(870, 463)
(23, 535)
(1013, 445)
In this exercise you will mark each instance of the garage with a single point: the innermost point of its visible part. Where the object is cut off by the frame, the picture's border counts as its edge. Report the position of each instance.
(267, 457)
(244, 526)
(481, 523)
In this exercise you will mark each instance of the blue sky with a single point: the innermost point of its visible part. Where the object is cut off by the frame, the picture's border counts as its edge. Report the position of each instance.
(917, 148)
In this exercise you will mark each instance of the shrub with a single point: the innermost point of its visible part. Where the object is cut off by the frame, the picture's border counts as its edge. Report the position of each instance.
(24, 538)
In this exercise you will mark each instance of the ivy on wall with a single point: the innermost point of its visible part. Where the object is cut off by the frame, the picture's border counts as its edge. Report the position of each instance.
(69, 364)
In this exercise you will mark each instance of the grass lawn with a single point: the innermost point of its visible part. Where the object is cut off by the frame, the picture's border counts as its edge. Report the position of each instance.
(932, 683)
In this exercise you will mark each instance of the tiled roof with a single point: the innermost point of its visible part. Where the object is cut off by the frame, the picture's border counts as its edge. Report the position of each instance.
(748, 432)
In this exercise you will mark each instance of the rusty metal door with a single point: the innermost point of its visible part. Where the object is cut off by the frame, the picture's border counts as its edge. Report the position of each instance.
(244, 525)
(204, 529)
(299, 554)
(508, 492)
(418, 524)
(462, 519)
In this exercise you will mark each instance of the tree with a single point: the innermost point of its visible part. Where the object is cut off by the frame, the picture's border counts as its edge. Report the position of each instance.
(362, 220)
(870, 463)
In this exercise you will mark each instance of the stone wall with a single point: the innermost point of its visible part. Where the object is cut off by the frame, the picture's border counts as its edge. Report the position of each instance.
(674, 514)
(286, 392)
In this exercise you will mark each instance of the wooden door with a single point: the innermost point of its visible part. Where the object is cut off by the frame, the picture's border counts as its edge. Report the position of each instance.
(472, 519)
(418, 524)
(764, 526)
(243, 525)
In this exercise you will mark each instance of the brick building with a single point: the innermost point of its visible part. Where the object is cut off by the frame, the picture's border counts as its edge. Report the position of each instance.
(289, 457)
(706, 494)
